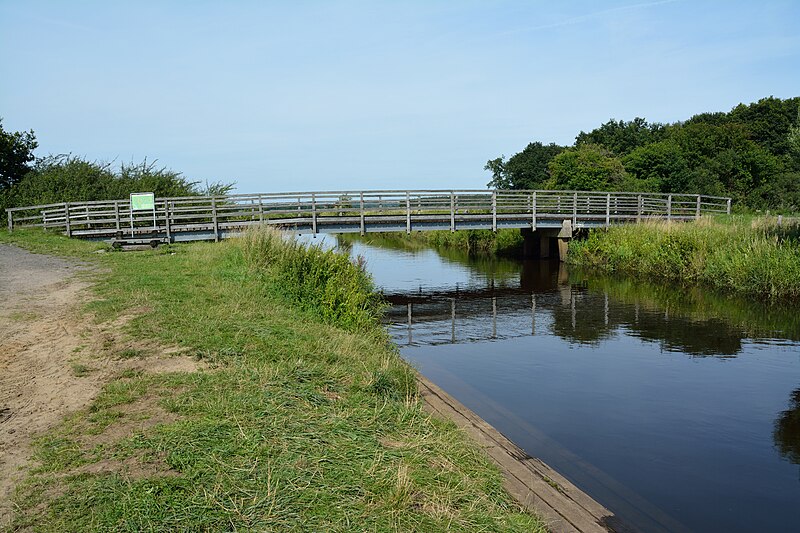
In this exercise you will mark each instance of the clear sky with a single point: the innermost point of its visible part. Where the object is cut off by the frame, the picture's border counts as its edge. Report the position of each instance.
(302, 95)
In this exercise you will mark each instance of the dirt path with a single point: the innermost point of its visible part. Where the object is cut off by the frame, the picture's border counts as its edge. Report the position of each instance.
(52, 360)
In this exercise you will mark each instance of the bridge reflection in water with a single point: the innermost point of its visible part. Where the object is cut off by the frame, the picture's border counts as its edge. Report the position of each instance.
(546, 301)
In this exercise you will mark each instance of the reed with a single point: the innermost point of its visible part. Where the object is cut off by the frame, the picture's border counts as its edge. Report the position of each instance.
(751, 256)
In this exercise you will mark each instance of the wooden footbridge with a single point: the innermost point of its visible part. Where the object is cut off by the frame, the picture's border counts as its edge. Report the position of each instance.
(217, 217)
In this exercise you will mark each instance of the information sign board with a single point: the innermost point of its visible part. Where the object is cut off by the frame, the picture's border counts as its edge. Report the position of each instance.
(143, 201)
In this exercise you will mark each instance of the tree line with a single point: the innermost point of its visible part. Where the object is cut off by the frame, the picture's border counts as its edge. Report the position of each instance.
(751, 153)
(29, 180)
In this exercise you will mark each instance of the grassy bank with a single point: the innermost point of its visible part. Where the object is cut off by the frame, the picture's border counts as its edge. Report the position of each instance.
(744, 255)
(305, 419)
(504, 242)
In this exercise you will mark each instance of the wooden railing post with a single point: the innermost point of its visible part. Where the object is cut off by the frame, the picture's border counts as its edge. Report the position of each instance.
(361, 206)
(214, 218)
(494, 210)
(117, 222)
(66, 219)
(608, 209)
(669, 207)
(533, 211)
(452, 212)
(167, 221)
(639, 208)
(574, 209)
(408, 213)
(697, 214)
(314, 213)
(10, 220)
(728, 208)
(260, 209)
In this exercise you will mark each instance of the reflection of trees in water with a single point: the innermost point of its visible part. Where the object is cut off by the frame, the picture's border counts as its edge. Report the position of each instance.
(752, 319)
(590, 317)
(787, 430)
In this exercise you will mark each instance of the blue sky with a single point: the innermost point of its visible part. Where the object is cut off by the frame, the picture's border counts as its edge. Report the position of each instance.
(303, 95)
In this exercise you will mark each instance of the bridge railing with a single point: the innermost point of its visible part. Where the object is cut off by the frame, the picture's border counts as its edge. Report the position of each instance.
(358, 209)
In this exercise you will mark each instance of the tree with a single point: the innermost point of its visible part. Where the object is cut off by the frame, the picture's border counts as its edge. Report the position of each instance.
(662, 165)
(622, 137)
(793, 141)
(16, 151)
(724, 160)
(525, 170)
(769, 122)
(589, 167)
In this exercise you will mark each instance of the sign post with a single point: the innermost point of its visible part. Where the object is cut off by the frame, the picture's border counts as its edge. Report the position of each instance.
(143, 201)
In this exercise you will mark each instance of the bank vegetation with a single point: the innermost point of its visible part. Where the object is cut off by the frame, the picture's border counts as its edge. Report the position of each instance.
(753, 256)
(305, 418)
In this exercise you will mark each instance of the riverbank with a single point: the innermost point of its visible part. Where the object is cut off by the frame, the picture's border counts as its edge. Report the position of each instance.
(749, 256)
(306, 417)
(503, 242)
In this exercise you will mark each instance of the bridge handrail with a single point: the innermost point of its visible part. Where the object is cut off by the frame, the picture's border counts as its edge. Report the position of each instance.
(88, 217)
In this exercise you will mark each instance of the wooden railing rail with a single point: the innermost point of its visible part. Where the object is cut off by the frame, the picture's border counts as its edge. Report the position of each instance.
(364, 210)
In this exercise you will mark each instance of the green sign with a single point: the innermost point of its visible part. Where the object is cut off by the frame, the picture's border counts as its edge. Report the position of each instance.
(141, 201)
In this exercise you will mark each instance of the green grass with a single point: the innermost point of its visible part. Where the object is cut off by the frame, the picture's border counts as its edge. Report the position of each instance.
(745, 255)
(306, 419)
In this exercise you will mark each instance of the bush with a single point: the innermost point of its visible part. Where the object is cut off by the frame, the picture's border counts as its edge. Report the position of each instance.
(68, 178)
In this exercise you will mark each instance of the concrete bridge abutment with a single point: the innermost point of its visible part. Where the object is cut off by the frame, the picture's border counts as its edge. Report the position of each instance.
(547, 243)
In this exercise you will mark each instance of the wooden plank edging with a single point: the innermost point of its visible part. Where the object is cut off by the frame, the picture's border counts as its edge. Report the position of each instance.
(539, 488)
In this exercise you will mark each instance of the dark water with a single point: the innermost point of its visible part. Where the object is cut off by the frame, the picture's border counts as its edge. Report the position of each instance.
(678, 410)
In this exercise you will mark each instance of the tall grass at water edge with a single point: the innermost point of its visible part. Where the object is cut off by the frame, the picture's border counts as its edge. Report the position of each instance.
(325, 282)
(750, 256)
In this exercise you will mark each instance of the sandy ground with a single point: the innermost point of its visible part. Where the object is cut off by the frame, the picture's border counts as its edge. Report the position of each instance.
(53, 359)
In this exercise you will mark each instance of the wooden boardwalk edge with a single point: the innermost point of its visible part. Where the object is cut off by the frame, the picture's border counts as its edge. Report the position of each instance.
(539, 488)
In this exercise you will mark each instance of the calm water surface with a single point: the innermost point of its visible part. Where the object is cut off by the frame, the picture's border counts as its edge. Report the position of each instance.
(677, 410)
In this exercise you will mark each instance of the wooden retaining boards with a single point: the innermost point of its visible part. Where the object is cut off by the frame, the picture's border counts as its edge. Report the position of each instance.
(562, 505)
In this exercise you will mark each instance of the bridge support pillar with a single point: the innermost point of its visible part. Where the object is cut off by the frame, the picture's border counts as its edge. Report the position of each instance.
(564, 236)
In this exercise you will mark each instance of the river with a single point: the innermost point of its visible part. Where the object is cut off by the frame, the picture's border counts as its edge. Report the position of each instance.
(677, 409)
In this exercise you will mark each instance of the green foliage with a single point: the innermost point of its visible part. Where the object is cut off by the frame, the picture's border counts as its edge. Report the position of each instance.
(751, 153)
(72, 179)
(67, 178)
(525, 170)
(622, 137)
(16, 152)
(755, 258)
(662, 164)
(793, 140)
(768, 122)
(589, 167)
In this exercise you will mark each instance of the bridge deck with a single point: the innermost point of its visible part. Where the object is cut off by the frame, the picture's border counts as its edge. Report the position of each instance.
(218, 217)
